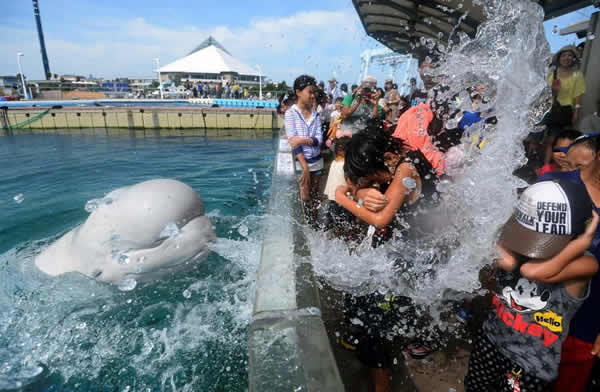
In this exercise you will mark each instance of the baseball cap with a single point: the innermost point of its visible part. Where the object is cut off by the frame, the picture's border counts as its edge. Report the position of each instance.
(547, 216)
(332, 80)
(388, 80)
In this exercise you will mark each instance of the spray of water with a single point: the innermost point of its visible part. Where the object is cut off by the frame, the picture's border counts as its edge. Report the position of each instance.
(508, 57)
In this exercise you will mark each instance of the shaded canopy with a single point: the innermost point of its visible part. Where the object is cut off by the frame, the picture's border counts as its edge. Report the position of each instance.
(400, 24)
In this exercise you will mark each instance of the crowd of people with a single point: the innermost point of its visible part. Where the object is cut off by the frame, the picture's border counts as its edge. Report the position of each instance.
(387, 154)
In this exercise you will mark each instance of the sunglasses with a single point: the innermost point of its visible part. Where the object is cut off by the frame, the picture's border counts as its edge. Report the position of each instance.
(561, 149)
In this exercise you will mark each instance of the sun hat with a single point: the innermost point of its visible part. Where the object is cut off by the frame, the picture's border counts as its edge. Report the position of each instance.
(332, 80)
(389, 80)
(547, 217)
(370, 81)
(567, 48)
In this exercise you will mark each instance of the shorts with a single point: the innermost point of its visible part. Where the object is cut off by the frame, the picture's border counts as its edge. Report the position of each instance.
(576, 364)
(490, 371)
(373, 318)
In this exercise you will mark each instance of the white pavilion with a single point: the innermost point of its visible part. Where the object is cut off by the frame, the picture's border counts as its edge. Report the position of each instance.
(210, 63)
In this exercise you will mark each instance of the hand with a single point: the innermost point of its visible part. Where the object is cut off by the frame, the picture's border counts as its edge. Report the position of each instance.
(596, 347)
(373, 200)
(304, 179)
(590, 229)
(294, 141)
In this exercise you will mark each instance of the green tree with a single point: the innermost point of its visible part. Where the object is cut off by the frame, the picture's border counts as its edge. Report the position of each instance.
(154, 84)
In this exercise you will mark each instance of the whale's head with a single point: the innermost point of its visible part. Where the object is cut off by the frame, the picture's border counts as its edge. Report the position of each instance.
(144, 232)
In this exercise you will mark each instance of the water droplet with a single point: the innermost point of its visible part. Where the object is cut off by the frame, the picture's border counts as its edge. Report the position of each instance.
(81, 325)
(19, 198)
(591, 36)
(395, 361)
(555, 29)
(141, 259)
(409, 182)
(227, 368)
(123, 259)
(243, 230)
(92, 205)
(127, 284)
(187, 293)
(442, 186)
(170, 231)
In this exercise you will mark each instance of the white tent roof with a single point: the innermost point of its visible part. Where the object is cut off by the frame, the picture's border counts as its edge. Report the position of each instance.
(211, 59)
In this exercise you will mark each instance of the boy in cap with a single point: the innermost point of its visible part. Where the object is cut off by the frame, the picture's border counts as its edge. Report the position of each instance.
(543, 277)
(334, 90)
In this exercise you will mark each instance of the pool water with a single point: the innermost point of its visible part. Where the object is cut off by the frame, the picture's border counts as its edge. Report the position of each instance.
(186, 333)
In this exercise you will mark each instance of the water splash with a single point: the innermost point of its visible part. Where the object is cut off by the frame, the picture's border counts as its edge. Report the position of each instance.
(456, 240)
(19, 198)
(127, 284)
(171, 230)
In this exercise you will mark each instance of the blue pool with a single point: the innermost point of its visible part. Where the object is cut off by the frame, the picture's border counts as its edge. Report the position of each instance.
(198, 102)
(73, 334)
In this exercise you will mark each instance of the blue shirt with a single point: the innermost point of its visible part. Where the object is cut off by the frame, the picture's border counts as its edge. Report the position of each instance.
(468, 119)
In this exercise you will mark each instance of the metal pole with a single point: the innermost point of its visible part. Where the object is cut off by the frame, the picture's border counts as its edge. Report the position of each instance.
(19, 55)
(159, 81)
(260, 97)
(38, 21)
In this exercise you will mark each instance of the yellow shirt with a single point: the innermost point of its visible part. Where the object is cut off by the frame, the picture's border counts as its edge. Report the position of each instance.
(570, 88)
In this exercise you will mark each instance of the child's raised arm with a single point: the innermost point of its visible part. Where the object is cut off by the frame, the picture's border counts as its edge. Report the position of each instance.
(555, 269)
(508, 261)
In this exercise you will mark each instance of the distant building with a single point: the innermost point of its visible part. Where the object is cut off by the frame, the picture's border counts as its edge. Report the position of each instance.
(9, 85)
(210, 63)
(139, 85)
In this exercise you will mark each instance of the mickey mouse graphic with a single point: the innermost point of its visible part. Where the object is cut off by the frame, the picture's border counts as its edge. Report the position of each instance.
(525, 296)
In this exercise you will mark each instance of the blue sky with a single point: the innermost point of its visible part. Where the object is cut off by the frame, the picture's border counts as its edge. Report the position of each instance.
(111, 38)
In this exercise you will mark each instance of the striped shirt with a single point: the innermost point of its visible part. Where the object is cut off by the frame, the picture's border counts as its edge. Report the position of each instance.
(296, 126)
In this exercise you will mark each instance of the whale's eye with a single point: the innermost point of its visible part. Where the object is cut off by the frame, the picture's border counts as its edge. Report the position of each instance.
(96, 273)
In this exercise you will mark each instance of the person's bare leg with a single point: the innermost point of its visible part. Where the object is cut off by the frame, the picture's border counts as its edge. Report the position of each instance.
(381, 380)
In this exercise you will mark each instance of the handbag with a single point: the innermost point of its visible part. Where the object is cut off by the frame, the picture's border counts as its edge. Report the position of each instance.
(559, 115)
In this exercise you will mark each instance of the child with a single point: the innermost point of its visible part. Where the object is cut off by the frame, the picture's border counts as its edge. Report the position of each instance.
(559, 152)
(543, 280)
(303, 130)
(334, 124)
(334, 179)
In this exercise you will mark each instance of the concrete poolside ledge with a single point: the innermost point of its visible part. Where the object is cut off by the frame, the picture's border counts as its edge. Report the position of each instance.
(142, 117)
(288, 345)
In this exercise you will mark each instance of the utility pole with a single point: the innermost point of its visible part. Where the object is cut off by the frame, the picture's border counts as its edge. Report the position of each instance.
(159, 81)
(19, 55)
(259, 82)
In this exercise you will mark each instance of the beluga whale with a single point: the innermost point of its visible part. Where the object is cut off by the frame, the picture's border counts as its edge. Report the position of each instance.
(134, 234)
